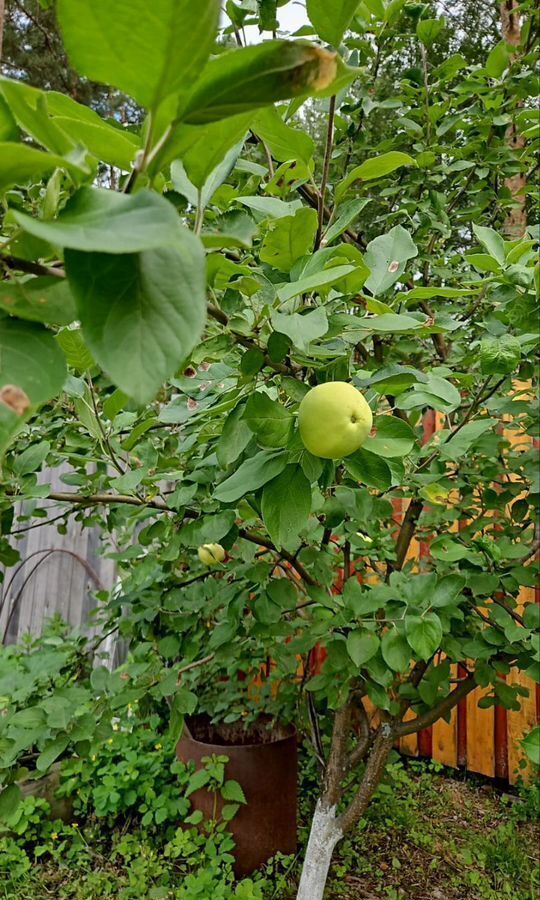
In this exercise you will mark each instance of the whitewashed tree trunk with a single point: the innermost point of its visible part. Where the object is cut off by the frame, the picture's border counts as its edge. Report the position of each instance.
(325, 834)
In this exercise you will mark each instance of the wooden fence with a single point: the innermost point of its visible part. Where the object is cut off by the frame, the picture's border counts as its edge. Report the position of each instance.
(58, 574)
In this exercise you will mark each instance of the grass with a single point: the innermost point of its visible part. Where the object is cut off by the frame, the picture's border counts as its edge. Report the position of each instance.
(429, 835)
(433, 835)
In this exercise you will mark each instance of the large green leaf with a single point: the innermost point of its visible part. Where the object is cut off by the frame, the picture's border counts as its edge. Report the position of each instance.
(388, 323)
(313, 282)
(500, 355)
(271, 207)
(302, 329)
(44, 299)
(59, 123)
(284, 142)
(393, 437)
(8, 125)
(234, 437)
(52, 751)
(200, 197)
(28, 106)
(433, 391)
(331, 19)
(97, 220)
(269, 420)
(20, 163)
(386, 256)
(251, 475)
(395, 650)
(347, 213)
(531, 745)
(286, 504)
(374, 168)
(492, 241)
(368, 468)
(256, 76)
(76, 352)
(107, 143)
(10, 798)
(141, 314)
(362, 646)
(32, 371)
(424, 634)
(148, 50)
(289, 238)
(207, 529)
(204, 149)
(465, 438)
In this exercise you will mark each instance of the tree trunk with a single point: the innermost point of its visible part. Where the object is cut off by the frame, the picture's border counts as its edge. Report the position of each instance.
(2, 17)
(327, 828)
(324, 835)
(516, 220)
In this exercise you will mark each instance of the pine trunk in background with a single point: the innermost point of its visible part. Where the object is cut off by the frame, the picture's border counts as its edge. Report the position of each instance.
(2, 11)
(516, 221)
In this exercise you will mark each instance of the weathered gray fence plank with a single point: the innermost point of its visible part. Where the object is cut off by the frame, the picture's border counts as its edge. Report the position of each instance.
(53, 582)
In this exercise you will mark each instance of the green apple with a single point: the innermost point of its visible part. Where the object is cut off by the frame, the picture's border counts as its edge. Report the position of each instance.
(334, 420)
(211, 554)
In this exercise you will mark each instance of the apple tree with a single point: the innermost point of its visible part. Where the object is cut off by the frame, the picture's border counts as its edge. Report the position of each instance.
(336, 227)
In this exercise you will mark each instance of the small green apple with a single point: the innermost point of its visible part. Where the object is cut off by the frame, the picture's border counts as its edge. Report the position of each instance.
(334, 420)
(211, 554)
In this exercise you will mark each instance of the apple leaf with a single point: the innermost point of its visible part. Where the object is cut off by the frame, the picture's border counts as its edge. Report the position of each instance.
(301, 329)
(97, 220)
(286, 504)
(32, 371)
(393, 437)
(44, 299)
(289, 238)
(395, 650)
(331, 20)
(424, 634)
(251, 475)
(269, 420)
(376, 167)
(149, 50)
(20, 163)
(362, 646)
(247, 78)
(386, 257)
(141, 314)
(368, 468)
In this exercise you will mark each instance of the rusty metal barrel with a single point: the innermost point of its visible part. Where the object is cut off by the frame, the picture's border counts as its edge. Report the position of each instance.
(263, 760)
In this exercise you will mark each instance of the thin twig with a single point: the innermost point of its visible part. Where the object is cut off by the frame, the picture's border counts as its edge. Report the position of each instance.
(326, 169)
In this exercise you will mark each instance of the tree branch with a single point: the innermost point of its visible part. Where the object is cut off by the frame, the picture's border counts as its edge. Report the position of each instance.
(253, 537)
(364, 740)
(406, 533)
(375, 766)
(104, 499)
(32, 268)
(326, 169)
(437, 712)
(336, 766)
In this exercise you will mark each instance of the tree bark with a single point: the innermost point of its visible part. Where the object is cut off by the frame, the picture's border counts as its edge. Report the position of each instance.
(324, 835)
(2, 17)
(516, 221)
(327, 828)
